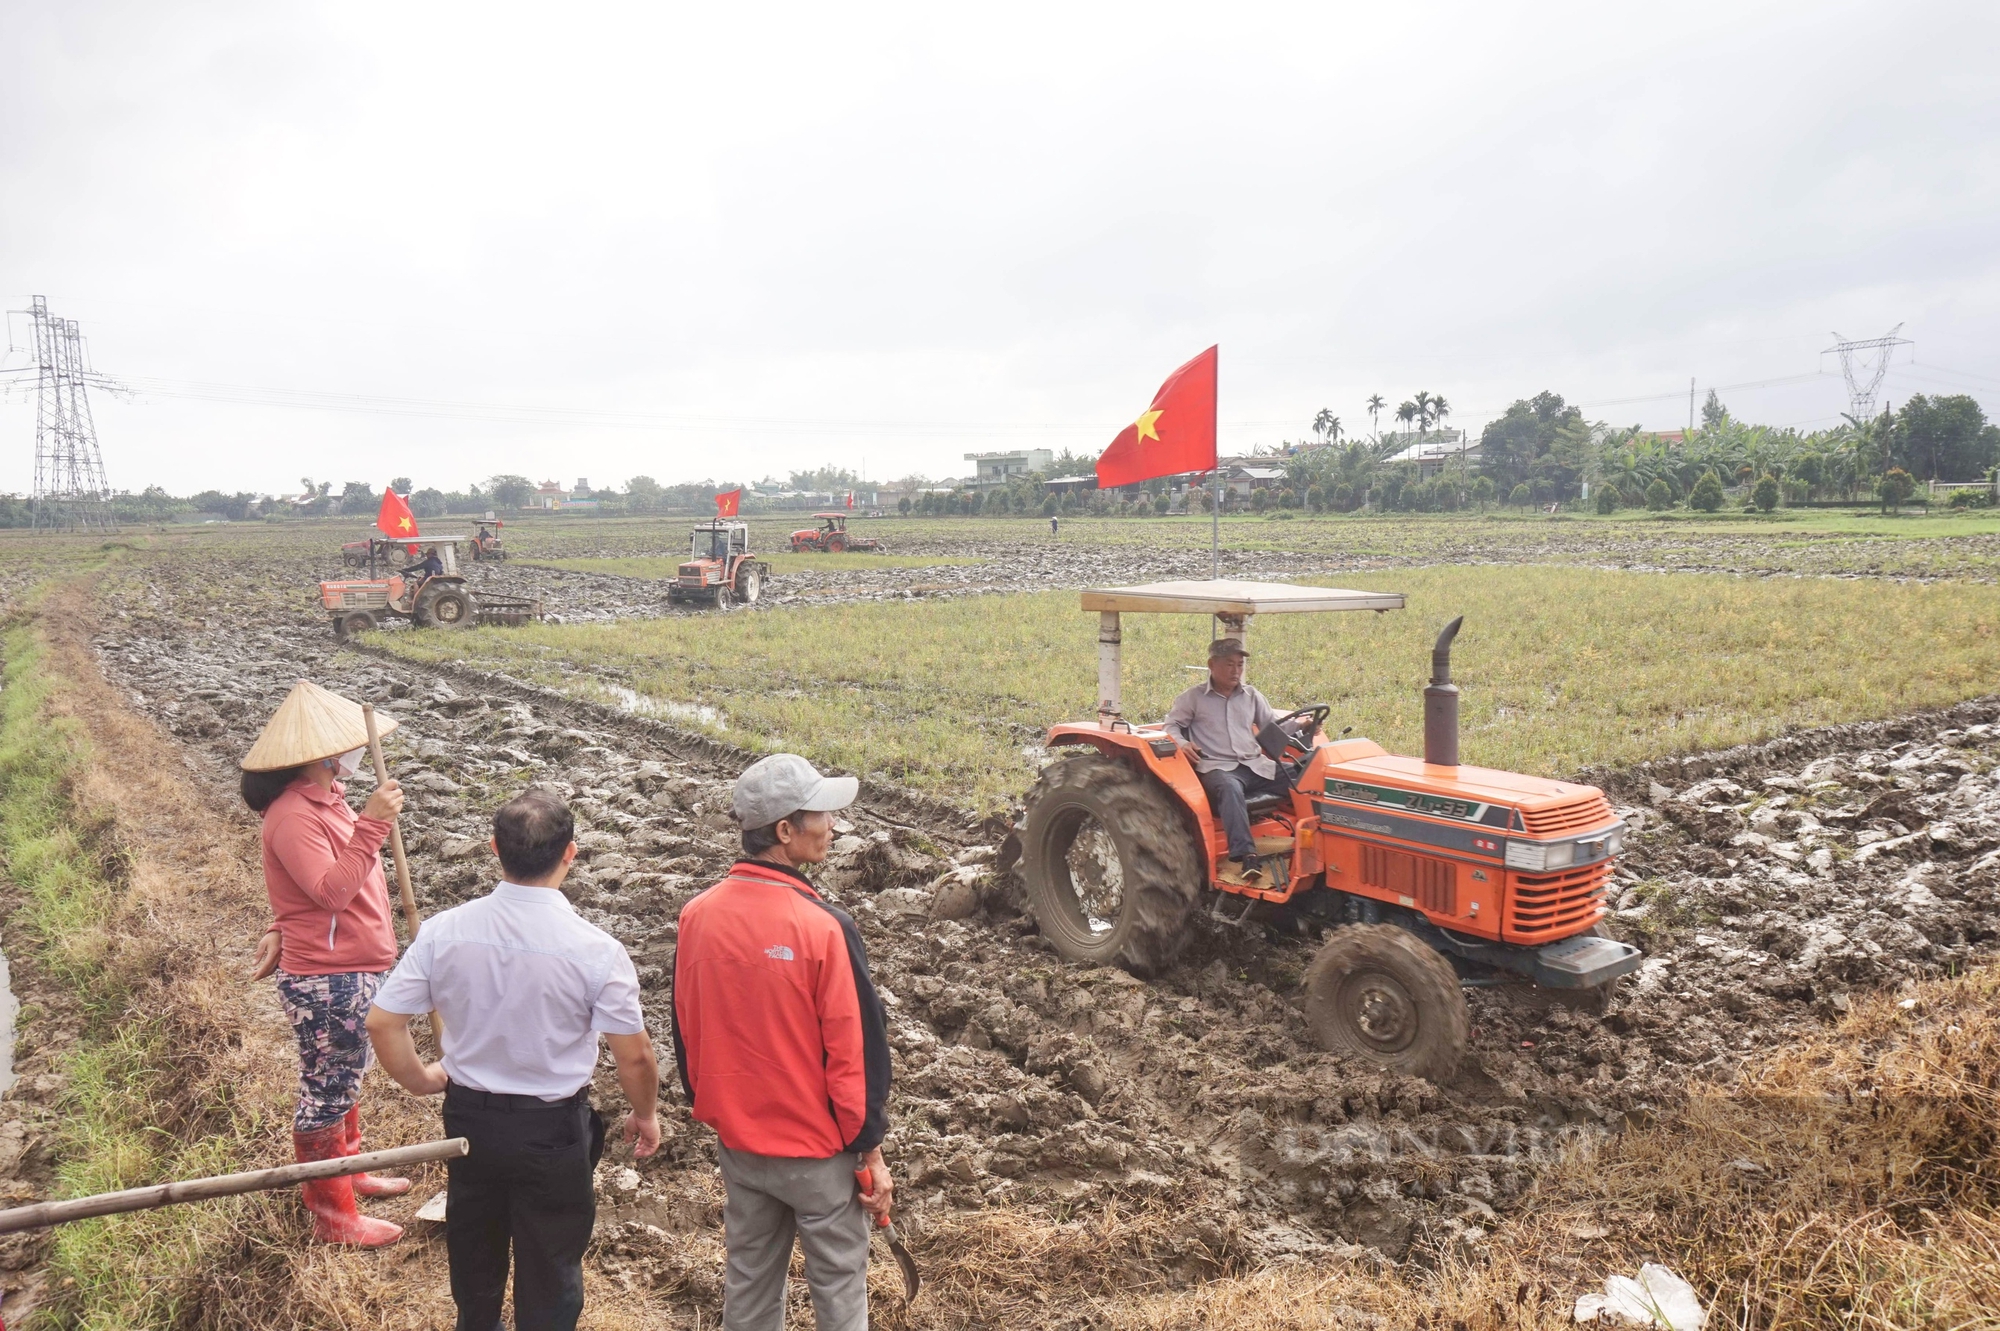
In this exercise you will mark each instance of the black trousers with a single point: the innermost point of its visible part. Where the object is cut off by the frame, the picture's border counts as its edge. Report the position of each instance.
(525, 1185)
(1229, 792)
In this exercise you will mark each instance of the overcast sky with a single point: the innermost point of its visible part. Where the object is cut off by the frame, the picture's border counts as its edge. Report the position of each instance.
(363, 240)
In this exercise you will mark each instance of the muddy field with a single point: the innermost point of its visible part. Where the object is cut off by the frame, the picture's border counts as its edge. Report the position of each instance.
(1767, 885)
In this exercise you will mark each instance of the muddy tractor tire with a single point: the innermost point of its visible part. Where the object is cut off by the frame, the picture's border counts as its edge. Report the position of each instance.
(749, 585)
(446, 608)
(725, 599)
(1111, 865)
(1378, 992)
(836, 545)
(353, 622)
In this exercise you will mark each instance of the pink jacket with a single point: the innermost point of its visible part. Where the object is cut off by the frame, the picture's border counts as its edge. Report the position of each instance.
(323, 869)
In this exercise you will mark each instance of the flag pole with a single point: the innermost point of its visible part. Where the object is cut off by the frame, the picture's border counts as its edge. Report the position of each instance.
(1215, 510)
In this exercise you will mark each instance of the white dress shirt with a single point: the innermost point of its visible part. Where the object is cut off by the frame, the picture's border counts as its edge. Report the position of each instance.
(524, 985)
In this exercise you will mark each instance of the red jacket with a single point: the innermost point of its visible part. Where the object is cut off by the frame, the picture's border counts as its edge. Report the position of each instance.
(777, 1029)
(323, 870)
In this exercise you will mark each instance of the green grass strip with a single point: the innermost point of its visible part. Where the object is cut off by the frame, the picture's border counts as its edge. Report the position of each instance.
(114, 1272)
(1560, 667)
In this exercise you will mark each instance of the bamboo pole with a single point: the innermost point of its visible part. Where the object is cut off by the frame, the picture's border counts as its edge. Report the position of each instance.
(411, 916)
(44, 1214)
(403, 888)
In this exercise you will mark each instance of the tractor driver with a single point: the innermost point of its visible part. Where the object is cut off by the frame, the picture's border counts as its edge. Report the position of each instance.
(430, 565)
(1218, 721)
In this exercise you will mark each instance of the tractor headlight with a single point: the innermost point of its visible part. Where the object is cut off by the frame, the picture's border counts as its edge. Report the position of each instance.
(1540, 856)
(1614, 844)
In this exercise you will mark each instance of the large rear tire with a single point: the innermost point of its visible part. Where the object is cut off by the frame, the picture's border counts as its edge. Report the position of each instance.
(749, 585)
(446, 608)
(1111, 865)
(1378, 992)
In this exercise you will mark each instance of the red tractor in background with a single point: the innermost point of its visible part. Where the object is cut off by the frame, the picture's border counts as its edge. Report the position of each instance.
(441, 600)
(721, 572)
(1431, 875)
(831, 537)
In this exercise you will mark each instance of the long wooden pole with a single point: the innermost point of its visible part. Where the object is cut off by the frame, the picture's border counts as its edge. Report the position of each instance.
(43, 1214)
(411, 915)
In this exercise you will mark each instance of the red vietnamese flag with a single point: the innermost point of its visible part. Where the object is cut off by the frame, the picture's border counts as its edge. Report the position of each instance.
(850, 499)
(1176, 434)
(395, 519)
(728, 502)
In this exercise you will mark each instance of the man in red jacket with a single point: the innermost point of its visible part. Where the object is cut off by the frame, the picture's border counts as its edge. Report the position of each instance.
(781, 1046)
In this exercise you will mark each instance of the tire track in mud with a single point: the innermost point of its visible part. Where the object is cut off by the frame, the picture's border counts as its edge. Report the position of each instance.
(1767, 884)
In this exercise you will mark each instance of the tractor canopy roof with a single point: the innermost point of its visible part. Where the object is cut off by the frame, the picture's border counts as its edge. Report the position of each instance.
(1225, 597)
(830, 515)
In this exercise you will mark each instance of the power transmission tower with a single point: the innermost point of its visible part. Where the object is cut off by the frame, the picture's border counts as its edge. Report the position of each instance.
(1864, 363)
(70, 489)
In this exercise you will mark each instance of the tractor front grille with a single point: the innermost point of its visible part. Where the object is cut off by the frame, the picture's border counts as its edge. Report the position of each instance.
(1547, 906)
(1432, 884)
(1593, 811)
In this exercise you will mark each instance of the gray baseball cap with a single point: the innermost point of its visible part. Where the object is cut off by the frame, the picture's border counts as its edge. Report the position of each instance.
(785, 783)
(1222, 647)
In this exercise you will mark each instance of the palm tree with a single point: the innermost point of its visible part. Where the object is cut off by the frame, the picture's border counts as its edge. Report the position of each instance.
(1325, 420)
(1423, 404)
(1439, 410)
(1407, 412)
(1375, 404)
(1333, 430)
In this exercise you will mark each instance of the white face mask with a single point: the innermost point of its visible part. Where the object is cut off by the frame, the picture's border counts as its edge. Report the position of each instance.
(347, 764)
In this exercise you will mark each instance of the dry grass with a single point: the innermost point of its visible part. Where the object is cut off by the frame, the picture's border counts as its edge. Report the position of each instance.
(1561, 667)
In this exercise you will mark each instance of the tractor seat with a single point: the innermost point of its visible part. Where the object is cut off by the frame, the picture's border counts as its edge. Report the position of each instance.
(1265, 803)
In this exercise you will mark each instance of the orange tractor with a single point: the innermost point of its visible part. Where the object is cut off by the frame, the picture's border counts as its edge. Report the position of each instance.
(831, 537)
(439, 600)
(720, 570)
(1432, 875)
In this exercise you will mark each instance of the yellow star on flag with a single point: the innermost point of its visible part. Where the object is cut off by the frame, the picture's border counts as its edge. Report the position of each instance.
(1144, 425)
(402, 524)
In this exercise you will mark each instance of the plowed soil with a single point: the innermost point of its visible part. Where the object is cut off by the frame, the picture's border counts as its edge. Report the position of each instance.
(1767, 885)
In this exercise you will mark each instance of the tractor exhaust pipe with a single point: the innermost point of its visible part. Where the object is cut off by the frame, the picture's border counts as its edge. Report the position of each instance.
(1441, 703)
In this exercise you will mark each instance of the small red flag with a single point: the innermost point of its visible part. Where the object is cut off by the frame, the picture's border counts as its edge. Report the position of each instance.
(850, 499)
(727, 502)
(395, 519)
(1174, 435)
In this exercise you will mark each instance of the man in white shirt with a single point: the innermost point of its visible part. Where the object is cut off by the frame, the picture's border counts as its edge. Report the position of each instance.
(524, 987)
(1218, 720)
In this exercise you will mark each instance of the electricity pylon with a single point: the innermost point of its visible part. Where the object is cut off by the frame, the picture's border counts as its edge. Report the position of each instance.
(1864, 363)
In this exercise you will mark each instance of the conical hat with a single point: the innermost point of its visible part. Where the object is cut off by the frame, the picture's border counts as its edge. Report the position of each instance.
(310, 725)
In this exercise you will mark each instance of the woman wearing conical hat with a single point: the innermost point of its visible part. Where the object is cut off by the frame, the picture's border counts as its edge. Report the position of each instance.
(332, 939)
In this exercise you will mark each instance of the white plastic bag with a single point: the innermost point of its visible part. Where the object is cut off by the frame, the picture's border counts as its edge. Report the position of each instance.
(1658, 1298)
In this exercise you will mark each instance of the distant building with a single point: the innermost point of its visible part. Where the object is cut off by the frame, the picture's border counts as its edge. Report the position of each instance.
(1436, 450)
(548, 495)
(993, 469)
(1243, 480)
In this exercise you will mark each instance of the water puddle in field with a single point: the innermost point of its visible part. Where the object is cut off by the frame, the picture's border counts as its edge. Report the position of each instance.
(10, 1009)
(637, 703)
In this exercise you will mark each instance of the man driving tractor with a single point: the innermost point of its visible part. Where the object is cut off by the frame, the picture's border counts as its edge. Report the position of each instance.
(430, 566)
(1217, 721)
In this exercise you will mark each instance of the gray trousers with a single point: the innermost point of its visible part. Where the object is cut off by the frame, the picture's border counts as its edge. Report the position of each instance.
(772, 1199)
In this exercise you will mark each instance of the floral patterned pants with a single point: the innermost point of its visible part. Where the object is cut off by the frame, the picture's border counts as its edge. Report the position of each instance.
(329, 1015)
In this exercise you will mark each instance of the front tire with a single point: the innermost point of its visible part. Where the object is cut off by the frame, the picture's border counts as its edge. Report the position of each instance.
(353, 622)
(725, 600)
(1110, 862)
(1378, 992)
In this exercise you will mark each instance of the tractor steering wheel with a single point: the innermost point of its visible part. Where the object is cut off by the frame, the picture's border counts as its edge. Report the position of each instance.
(1281, 741)
(1316, 717)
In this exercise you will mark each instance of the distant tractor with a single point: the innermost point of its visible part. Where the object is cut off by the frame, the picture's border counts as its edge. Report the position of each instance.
(357, 605)
(830, 537)
(720, 571)
(1429, 875)
(486, 546)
